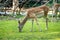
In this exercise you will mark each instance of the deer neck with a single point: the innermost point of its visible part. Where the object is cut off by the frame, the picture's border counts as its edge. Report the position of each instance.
(24, 21)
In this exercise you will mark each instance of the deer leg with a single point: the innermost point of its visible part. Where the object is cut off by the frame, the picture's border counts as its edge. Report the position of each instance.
(46, 23)
(56, 14)
(45, 15)
(32, 25)
(38, 25)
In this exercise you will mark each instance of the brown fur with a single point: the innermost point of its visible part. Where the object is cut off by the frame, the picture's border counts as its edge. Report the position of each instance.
(31, 13)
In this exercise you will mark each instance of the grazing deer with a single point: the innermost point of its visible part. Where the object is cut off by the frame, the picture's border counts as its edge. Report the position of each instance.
(32, 12)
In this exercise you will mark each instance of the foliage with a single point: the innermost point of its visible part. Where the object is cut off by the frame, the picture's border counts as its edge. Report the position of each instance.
(59, 15)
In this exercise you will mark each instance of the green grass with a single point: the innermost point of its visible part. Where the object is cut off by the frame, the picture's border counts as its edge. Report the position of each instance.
(9, 31)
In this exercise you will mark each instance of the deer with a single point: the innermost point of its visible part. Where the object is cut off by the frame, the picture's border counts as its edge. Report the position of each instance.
(56, 9)
(31, 13)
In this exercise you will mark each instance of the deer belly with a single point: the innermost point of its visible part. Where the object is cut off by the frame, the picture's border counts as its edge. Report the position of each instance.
(40, 14)
(32, 15)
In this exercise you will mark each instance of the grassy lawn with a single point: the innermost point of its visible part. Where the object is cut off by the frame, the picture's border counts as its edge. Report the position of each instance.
(9, 31)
